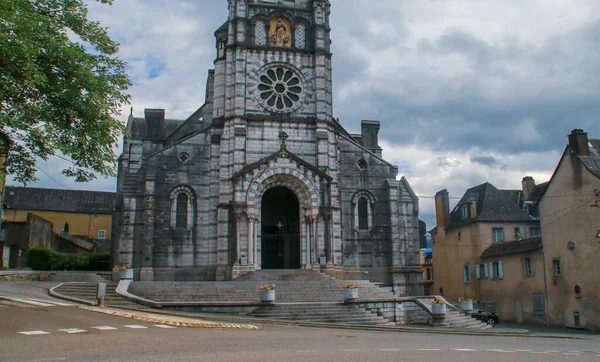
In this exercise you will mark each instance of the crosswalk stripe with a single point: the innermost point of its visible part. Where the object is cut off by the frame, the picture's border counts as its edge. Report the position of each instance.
(465, 350)
(33, 333)
(135, 326)
(30, 302)
(104, 328)
(62, 304)
(73, 330)
(164, 326)
(499, 351)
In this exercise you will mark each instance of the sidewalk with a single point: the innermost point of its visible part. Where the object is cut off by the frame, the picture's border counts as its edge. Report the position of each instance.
(543, 330)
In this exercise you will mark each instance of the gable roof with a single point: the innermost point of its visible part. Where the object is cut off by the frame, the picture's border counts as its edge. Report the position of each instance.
(75, 201)
(513, 247)
(491, 205)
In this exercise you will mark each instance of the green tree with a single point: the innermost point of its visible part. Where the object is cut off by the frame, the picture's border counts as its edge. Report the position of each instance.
(61, 87)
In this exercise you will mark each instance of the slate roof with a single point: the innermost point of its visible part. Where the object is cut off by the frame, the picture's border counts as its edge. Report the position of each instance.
(592, 162)
(513, 247)
(75, 201)
(492, 205)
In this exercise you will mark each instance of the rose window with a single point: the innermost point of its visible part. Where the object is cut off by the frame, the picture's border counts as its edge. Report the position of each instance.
(280, 89)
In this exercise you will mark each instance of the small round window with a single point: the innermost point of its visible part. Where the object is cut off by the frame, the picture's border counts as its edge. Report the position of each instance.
(362, 164)
(280, 89)
(184, 157)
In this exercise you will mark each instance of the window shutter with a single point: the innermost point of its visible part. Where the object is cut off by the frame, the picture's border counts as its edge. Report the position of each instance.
(465, 274)
(500, 270)
(477, 271)
(486, 275)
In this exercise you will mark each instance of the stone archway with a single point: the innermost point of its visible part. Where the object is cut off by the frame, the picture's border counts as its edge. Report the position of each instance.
(280, 229)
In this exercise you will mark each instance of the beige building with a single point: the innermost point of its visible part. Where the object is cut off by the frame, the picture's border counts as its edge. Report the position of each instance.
(570, 218)
(479, 249)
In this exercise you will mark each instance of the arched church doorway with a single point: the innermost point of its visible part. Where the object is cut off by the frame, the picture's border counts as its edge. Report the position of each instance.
(280, 233)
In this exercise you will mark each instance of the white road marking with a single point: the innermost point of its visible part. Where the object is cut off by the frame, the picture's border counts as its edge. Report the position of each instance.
(104, 328)
(164, 326)
(465, 350)
(73, 330)
(575, 352)
(135, 326)
(430, 349)
(30, 302)
(572, 354)
(33, 333)
(549, 351)
(499, 351)
(540, 352)
(62, 304)
(523, 350)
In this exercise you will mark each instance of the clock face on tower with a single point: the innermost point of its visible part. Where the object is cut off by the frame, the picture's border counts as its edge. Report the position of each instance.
(280, 89)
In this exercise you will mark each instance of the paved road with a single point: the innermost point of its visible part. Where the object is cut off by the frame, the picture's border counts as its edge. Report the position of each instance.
(35, 327)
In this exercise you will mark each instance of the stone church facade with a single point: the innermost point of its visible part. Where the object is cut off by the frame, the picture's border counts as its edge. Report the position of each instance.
(262, 176)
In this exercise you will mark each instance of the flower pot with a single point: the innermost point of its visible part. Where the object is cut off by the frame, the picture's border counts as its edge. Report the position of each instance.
(127, 274)
(322, 260)
(351, 294)
(438, 309)
(267, 296)
(467, 306)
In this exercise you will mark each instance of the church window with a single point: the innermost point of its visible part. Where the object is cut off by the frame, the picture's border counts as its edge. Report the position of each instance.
(182, 202)
(300, 36)
(260, 34)
(184, 157)
(363, 214)
(363, 203)
(362, 164)
(280, 89)
(182, 210)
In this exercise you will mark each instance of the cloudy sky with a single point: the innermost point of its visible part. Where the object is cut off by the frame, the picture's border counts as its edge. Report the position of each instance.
(467, 91)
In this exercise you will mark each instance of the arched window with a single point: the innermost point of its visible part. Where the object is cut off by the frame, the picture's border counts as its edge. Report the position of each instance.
(182, 211)
(182, 208)
(363, 204)
(363, 214)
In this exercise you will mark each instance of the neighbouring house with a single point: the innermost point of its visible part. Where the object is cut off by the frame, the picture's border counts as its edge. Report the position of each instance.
(570, 218)
(64, 220)
(481, 248)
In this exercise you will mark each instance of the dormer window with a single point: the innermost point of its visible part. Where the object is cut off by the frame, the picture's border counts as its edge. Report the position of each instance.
(465, 211)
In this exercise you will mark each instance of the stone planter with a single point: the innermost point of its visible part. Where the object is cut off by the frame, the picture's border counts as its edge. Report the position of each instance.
(244, 261)
(351, 295)
(466, 306)
(322, 260)
(127, 274)
(438, 310)
(267, 296)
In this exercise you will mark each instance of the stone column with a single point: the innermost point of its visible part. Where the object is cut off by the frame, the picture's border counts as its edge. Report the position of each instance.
(238, 251)
(251, 240)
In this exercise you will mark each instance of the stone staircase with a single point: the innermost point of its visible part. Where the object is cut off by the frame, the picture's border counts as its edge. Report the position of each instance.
(77, 276)
(321, 313)
(88, 292)
(455, 318)
(293, 286)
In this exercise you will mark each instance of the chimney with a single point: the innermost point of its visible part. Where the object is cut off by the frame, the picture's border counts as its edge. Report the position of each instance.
(578, 141)
(442, 209)
(528, 184)
(155, 122)
(473, 209)
(370, 136)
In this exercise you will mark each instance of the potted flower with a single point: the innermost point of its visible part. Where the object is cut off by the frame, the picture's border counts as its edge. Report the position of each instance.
(244, 260)
(351, 292)
(438, 307)
(322, 259)
(126, 271)
(267, 293)
(466, 304)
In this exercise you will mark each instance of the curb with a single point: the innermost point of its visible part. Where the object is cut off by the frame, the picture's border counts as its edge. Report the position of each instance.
(180, 322)
(55, 294)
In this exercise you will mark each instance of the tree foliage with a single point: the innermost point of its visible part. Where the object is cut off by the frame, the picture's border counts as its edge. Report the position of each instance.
(61, 87)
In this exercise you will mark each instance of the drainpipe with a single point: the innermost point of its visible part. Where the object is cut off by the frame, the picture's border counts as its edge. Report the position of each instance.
(545, 285)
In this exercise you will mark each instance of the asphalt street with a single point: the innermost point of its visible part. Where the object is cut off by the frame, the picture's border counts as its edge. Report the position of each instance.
(53, 332)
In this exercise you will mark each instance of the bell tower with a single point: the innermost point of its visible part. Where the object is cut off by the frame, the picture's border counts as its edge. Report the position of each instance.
(274, 61)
